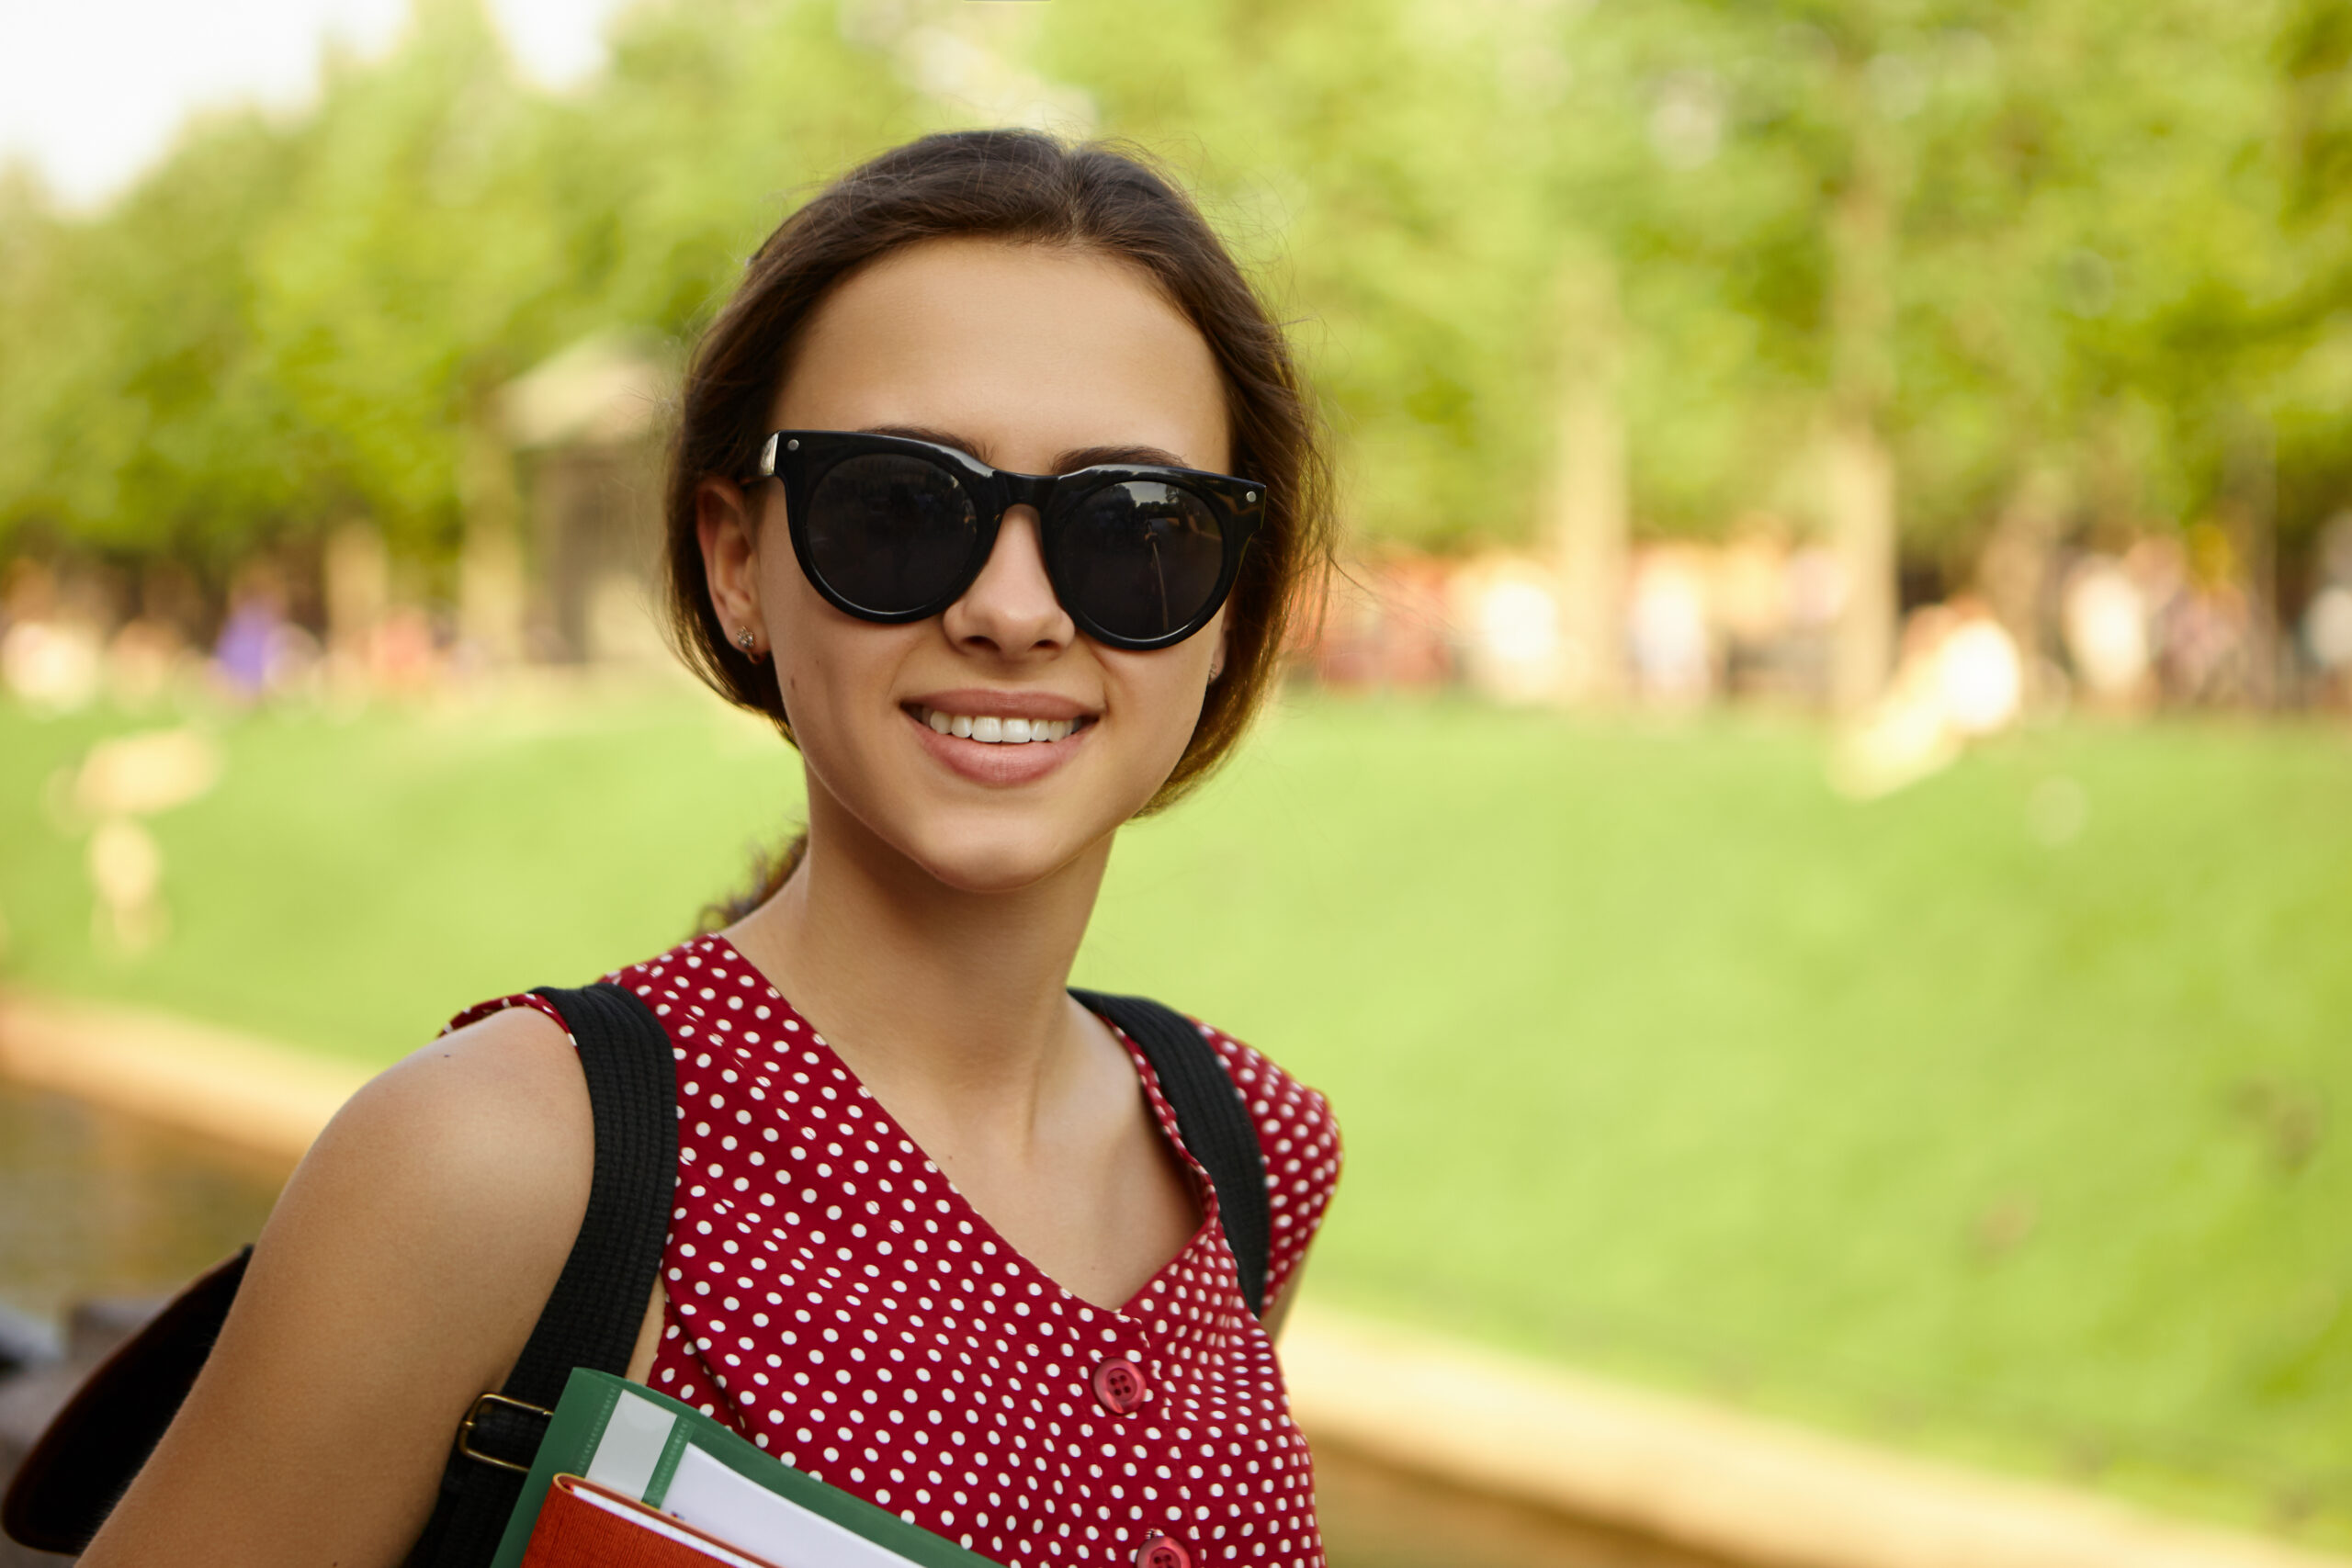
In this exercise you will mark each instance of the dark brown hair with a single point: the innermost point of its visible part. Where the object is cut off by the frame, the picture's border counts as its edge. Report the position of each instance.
(1022, 187)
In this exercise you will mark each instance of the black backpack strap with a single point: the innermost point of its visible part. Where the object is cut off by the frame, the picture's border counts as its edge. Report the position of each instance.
(1212, 1116)
(598, 1304)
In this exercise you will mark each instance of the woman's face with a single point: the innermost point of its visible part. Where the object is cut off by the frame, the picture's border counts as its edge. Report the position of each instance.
(1035, 359)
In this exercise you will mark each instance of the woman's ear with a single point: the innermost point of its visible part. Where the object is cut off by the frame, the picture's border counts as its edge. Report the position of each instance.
(729, 532)
(1217, 659)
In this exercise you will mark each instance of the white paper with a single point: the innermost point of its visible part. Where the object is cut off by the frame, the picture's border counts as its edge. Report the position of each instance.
(709, 1496)
(631, 1445)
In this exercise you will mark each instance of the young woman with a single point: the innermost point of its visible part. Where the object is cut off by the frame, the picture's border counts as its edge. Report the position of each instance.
(922, 1193)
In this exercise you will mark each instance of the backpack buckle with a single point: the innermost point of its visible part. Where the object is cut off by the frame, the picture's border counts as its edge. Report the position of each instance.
(474, 1414)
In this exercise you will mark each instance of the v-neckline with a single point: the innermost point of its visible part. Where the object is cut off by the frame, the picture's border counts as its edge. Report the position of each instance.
(1204, 1189)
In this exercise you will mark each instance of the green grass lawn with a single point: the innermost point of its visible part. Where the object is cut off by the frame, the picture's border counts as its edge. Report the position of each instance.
(1651, 1053)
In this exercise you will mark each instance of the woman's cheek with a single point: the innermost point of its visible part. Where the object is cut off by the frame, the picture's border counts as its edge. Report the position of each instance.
(1171, 706)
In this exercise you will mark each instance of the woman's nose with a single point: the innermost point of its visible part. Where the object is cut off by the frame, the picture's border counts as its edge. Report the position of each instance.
(1011, 608)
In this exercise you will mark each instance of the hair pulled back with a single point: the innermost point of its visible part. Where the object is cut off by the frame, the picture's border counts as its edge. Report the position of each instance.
(1022, 187)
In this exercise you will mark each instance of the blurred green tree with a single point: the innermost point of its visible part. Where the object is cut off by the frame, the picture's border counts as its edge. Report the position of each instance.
(1959, 271)
(138, 417)
(413, 265)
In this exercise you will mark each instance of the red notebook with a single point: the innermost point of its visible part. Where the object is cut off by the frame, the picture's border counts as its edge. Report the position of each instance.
(582, 1525)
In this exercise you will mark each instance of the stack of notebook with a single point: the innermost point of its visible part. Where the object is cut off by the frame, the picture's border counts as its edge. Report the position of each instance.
(627, 1478)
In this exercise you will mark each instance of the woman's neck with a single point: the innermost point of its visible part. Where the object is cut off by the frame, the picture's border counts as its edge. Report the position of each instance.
(938, 998)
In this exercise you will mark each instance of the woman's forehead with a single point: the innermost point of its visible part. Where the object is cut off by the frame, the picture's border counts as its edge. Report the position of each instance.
(1025, 350)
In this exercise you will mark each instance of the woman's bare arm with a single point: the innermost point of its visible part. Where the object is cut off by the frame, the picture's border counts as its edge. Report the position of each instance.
(396, 1279)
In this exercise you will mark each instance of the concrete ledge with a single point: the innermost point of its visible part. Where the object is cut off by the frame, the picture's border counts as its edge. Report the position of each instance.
(1714, 1481)
(260, 1096)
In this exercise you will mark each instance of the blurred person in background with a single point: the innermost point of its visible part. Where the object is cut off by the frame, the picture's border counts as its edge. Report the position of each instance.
(1667, 627)
(52, 652)
(2104, 619)
(261, 651)
(2328, 619)
(248, 640)
(2201, 616)
(986, 672)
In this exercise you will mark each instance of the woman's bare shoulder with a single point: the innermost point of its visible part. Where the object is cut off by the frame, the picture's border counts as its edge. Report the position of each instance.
(396, 1279)
(494, 1090)
(476, 1144)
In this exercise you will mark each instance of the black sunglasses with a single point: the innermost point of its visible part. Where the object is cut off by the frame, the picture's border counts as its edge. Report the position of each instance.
(893, 529)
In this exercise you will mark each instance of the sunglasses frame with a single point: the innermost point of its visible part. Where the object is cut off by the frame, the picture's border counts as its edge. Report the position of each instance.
(799, 460)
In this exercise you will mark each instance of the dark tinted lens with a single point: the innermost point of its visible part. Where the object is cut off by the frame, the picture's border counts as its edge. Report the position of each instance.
(889, 533)
(1139, 559)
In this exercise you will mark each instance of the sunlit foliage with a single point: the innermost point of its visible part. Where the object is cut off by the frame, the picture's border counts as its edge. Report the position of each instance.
(2107, 240)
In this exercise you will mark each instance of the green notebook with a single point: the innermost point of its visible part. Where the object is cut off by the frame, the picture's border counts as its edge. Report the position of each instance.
(672, 1457)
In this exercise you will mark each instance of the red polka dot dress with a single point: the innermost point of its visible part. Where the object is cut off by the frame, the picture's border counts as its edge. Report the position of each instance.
(833, 1297)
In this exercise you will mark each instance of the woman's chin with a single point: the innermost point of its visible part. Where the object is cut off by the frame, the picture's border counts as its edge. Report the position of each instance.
(996, 857)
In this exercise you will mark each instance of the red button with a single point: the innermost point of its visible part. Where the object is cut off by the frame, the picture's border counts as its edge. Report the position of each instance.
(1119, 1385)
(1163, 1552)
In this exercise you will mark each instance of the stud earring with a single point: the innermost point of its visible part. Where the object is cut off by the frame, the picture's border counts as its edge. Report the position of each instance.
(744, 639)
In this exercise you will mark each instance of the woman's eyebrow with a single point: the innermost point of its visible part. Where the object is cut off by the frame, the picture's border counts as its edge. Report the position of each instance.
(936, 437)
(1068, 462)
(1129, 457)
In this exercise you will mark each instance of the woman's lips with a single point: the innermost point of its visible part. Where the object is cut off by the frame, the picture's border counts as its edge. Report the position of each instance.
(1008, 702)
(993, 729)
(996, 762)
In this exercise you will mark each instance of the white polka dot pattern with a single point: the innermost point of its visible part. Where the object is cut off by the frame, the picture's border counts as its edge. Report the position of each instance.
(835, 1299)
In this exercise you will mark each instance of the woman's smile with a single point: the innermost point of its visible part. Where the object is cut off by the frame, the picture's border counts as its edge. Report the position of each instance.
(999, 738)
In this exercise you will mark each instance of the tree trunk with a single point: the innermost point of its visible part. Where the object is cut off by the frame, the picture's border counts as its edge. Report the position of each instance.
(2014, 571)
(490, 565)
(1860, 480)
(1860, 470)
(1590, 511)
(2250, 514)
(358, 589)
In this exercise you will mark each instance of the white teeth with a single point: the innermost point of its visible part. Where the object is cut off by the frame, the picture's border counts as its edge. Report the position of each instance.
(998, 731)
